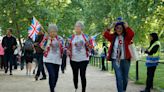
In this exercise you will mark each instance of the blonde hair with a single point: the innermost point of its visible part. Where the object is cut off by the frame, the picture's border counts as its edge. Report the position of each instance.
(52, 27)
(81, 24)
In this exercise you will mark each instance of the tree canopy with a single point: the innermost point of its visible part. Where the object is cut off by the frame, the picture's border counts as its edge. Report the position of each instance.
(144, 16)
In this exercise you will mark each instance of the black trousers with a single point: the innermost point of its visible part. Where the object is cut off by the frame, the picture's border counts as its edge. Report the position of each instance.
(150, 77)
(53, 71)
(15, 61)
(1, 61)
(64, 62)
(8, 59)
(39, 57)
(76, 67)
(103, 63)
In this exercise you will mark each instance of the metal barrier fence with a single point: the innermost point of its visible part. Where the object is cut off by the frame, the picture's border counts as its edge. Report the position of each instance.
(97, 60)
(137, 68)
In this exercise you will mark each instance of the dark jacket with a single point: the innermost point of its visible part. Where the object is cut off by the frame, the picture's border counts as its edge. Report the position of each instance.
(9, 42)
(37, 44)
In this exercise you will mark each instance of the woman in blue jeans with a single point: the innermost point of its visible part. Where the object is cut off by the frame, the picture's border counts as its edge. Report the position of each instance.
(52, 55)
(119, 52)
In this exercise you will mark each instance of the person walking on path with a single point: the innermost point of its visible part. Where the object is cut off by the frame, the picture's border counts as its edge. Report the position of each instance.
(39, 57)
(1, 56)
(64, 57)
(103, 56)
(79, 55)
(53, 55)
(29, 54)
(9, 44)
(152, 60)
(119, 52)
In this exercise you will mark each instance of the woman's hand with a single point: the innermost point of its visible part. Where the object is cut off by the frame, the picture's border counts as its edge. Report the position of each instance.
(126, 25)
(112, 25)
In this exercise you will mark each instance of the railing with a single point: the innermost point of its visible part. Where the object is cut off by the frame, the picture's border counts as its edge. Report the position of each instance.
(137, 68)
(97, 60)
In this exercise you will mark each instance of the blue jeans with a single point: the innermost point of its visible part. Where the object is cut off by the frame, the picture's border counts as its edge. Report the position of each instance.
(53, 71)
(121, 72)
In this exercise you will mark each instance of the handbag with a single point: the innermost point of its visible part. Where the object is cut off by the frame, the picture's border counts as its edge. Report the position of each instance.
(133, 52)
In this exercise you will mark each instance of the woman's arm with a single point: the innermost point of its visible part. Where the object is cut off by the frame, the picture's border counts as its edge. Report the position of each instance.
(154, 50)
(107, 35)
(129, 34)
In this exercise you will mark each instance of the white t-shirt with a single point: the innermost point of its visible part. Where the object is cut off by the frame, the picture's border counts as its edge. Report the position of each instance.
(79, 49)
(54, 54)
(115, 48)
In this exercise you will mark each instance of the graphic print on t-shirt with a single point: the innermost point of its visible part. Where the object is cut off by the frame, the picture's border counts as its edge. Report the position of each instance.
(55, 46)
(79, 44)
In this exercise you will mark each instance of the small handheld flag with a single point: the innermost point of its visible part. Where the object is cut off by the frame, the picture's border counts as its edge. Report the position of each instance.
(34, 29)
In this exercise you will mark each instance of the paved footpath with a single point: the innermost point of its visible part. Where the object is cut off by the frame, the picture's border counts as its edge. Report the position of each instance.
(98, 81)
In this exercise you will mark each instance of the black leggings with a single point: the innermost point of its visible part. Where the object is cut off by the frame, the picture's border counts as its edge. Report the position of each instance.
(150, 77)
(82, 66)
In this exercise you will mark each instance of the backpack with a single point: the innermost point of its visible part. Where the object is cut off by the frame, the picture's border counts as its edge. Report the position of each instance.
(28, 45)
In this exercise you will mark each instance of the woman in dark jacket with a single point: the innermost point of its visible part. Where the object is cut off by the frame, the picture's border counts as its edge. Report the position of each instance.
(152, 60)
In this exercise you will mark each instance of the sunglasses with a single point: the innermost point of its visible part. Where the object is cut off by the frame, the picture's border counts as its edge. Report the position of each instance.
(119, 28)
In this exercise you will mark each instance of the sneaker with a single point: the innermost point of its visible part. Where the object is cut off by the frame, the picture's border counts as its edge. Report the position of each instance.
(44, 78)
(145, 91)
(33, 72)
(5, 70)
(36, 78)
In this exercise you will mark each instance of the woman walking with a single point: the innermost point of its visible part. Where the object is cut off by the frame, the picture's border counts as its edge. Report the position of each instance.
(119, 52)
(152, 60)
(53, 55)
(29, 54)
(39, 57)
(79, 55)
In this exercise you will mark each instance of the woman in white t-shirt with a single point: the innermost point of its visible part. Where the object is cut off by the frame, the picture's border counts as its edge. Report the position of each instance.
(52, 55)
(79, 54)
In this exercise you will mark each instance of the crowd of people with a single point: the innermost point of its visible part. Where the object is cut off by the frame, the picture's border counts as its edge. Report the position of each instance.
(52, 51)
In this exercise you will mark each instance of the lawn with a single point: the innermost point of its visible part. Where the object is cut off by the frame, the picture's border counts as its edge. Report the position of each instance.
(159, 74)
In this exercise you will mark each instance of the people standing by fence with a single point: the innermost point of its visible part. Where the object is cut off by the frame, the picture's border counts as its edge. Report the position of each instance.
(9, 44)
(53, 55)
(79, 55)
(39, 56)
(103, 55)
(119, 52)
(152, 60)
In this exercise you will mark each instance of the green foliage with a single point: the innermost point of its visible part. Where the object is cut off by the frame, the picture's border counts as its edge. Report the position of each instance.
(143, 16)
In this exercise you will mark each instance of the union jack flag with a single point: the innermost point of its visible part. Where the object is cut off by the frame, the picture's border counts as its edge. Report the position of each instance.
(93, 38)
(34, 29)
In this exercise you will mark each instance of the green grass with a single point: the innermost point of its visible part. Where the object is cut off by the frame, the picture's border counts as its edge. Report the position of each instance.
(159, 74)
